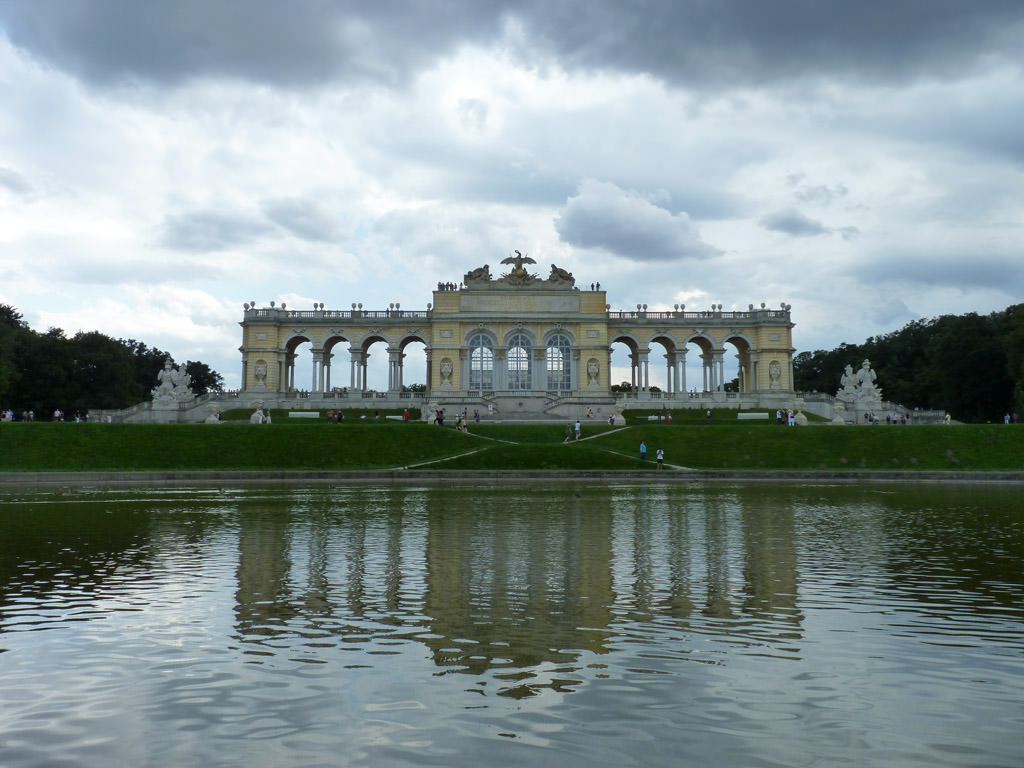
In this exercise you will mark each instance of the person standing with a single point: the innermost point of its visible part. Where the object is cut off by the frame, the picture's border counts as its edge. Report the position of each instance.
(643, 451)
(661, 459)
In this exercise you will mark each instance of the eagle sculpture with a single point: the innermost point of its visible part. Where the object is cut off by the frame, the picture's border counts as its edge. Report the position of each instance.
(517, 261)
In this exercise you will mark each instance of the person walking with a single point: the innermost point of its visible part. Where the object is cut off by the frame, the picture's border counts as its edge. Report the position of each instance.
(661, 459)
(577, 429)
(643, 451)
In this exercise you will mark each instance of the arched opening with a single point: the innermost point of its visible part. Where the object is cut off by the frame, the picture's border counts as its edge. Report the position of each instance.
(337, 364)
(481, 363)
(374, 364)
(558, 363)
(738, 367)
(623, 373)
(297, 372)
(664, 375)
(698, 354)
(413, 375)
(518, 368)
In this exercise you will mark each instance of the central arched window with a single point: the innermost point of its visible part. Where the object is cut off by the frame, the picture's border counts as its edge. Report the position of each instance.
(558, 362)
(481, 362)
(518, 355)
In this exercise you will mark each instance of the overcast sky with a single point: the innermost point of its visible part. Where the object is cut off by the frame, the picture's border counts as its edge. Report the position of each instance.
(162, 163)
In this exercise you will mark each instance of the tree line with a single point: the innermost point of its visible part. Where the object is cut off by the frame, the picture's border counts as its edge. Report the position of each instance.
(969, 365)
(43, 372)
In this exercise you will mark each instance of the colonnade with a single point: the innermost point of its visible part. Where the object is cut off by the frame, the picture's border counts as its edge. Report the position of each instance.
(357, 379)
(712, 369)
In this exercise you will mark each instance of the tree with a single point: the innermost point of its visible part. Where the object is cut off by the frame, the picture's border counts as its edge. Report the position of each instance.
(1012, 332)
(970, 365)
(204, 378)
(12, 327)
(147, 363)
(102, 371)
(45, 371)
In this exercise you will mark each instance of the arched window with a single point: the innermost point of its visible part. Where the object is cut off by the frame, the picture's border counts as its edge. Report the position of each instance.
(481, 362)
(559, 362)
(519, 362)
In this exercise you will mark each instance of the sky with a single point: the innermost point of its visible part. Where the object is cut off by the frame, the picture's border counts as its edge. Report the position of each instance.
(163, 163)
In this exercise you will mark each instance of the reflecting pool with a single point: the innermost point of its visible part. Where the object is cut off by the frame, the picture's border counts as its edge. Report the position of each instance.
(562, 625)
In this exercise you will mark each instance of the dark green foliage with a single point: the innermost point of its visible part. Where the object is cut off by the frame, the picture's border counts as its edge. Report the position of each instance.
(41, 372)
(204, 378)
(970, 365)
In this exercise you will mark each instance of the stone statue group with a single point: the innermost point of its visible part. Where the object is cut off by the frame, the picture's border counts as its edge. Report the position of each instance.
(859, 391)
(173, 386)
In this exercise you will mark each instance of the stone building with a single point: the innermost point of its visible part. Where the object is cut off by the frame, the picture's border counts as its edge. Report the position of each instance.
(520, 344)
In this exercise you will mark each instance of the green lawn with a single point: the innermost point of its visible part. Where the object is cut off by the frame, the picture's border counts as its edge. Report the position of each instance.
(369, 444)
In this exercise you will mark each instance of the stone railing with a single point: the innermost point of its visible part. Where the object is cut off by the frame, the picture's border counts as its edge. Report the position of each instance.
(704, 316)
(332, 314)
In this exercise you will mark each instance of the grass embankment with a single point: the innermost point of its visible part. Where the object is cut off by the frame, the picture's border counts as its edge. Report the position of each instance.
(388, 445)
(126, 447)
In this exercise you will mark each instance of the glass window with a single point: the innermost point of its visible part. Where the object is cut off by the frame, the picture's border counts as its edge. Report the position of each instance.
(558, 359)
(519, 362)
(481, 362)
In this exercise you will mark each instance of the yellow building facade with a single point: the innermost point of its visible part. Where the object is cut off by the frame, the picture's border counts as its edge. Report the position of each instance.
(523, 342)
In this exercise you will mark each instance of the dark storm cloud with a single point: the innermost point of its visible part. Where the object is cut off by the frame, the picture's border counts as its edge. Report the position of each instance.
(203, 231)
(302, 218)
(792, 222)
(312, 41)
(702, 42)
(14, 182)
(820, 193)
(955, 269)
(689, 42)
(604, 217)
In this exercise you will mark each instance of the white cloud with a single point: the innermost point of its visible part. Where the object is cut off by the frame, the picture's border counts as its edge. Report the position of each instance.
(602, 216)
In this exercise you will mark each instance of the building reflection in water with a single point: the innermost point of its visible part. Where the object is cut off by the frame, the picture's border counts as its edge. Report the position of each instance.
(515, 584)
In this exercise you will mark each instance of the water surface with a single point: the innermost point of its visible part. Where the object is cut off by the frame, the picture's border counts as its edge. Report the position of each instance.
(565, 625)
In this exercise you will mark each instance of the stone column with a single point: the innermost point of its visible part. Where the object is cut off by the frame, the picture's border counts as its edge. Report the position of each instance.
(318, 371)
(465, 370)
(719, 363)
(645, 367)
(289, 372)
(499, 377)
(681, 370)
(358, 369)
(394, 369)
(327, 371)
(538, 371)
